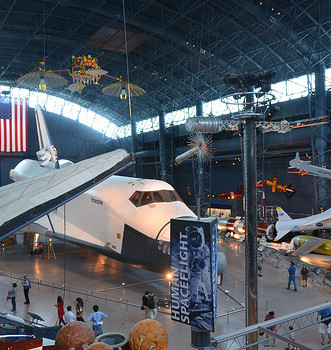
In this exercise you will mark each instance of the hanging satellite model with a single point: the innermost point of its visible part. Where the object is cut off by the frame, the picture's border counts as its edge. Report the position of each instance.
(85, 71)
(123, 89)
(41, 79)
(201, 145)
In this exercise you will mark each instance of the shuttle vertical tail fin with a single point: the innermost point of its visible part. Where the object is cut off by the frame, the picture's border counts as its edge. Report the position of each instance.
(282, 215)
(47, 152)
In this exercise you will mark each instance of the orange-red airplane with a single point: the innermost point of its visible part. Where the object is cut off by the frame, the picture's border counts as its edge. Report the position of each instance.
(287, 189)
(238, 193)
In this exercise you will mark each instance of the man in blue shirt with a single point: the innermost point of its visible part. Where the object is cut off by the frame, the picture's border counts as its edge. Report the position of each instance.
(96, 317)
(291, 276)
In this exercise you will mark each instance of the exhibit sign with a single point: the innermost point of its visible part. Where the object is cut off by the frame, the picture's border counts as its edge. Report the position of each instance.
(194, 272)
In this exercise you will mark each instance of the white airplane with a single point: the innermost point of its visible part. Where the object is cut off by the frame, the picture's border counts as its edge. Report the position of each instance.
(286, 227)
(305, 167)
(122, 217)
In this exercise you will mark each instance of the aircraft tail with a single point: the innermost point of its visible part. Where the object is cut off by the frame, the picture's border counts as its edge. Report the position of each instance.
(282, 215)
(43, 134)
(47, 152)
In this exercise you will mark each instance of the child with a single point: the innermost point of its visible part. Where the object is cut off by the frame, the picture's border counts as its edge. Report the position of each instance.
(291, 337)
(12, 295)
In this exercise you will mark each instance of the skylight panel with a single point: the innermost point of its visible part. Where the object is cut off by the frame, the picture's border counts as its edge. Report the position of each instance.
(297, 87)
(111, 131)
(42, 99)
(123, 131)
(15, 92)
(54, 104)
(33, 99)
(70, 110)
(328, 79)
(100, 123)
(86, 117)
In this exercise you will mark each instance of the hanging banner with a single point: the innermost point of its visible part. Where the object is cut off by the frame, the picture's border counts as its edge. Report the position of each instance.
(194, 270)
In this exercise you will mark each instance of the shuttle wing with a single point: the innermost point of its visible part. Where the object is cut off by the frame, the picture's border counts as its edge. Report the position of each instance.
(309, 246)
(25, 201)
(281, 234)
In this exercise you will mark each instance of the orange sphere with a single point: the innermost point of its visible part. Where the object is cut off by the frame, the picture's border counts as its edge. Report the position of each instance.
(76, 335)
(99, 346)
(148, 334)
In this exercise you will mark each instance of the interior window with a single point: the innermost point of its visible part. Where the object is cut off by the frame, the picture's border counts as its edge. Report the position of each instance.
(158, 197)
(146, 198)
(135, 198)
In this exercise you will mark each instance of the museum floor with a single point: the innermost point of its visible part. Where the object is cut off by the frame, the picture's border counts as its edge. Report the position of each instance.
(87, 273)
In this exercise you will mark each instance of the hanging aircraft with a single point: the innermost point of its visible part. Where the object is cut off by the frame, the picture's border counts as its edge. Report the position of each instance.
(238, 193)
(125, 218)
(307, 168)
(286, 227)
(287, 189)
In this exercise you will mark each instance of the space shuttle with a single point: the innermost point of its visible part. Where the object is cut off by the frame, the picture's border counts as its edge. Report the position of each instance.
(125, 218)
(286, 227)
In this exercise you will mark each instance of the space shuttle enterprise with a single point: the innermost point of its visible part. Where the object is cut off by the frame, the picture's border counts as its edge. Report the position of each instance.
(125, 218)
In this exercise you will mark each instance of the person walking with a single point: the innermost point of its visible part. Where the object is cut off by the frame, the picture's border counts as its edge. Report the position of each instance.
(26, 288)
(79, 305)
(259, 265)
(291, 336)
(12, 295)
(145, 305)
(270, 316)
(97, 317)
(152, 305)
(325, 326)
(69, 315)
(60, 310)
(291, 277)
(304, 275)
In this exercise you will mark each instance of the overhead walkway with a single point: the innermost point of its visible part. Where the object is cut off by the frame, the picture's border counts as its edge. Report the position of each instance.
(298, 320)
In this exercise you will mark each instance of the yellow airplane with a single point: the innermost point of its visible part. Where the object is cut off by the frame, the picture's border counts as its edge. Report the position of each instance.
(287, 189)
(308, 244)
(301, 246)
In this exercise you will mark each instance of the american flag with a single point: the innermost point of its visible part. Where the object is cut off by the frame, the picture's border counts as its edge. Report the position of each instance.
(13, 124)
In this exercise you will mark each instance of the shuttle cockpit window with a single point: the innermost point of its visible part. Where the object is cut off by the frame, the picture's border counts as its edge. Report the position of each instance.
(172, 196)
(140, 198)
(135, 198)
(158, 197)
(146, 198)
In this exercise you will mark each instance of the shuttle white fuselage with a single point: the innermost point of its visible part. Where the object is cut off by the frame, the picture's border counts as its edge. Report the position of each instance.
(122, 217)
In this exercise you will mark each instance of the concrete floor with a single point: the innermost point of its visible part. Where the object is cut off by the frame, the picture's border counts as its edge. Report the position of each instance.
(86, 273)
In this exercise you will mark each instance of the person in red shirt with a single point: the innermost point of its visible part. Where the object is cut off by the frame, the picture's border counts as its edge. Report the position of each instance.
(60, 310)
(268, 317)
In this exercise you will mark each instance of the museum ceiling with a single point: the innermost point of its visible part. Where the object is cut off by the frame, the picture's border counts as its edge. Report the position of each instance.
(176, 51)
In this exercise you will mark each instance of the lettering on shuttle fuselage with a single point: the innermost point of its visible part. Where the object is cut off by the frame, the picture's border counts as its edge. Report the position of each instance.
(96, 201)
